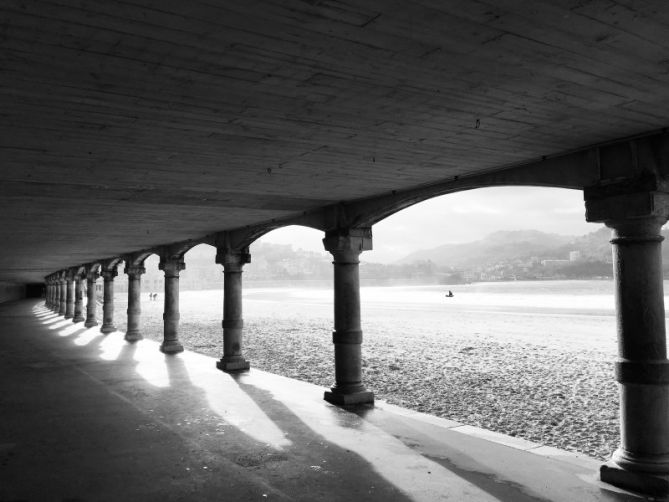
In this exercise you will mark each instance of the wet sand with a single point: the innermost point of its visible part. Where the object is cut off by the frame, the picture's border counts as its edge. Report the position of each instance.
(544, 375)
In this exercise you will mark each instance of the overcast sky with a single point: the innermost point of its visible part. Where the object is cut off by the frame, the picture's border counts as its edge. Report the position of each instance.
(461, 217)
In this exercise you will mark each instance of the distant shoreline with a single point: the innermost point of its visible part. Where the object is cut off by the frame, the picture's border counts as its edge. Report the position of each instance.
(327, 283)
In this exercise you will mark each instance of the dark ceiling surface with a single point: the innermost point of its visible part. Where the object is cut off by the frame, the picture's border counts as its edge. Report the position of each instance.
(129, 124)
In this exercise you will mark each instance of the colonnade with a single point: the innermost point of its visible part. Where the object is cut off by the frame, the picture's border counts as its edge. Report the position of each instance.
(64, 295)
(642, 460)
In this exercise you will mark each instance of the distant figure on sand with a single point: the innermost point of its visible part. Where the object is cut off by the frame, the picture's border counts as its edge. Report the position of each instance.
(450, 294)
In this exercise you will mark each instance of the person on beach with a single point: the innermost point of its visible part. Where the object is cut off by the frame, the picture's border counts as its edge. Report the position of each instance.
(450, 294)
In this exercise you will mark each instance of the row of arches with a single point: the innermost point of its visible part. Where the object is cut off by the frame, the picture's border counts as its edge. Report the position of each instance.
(642, 371)
(65, 291)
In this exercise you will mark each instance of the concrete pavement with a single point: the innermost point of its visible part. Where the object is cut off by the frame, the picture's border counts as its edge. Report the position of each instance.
(88, 417)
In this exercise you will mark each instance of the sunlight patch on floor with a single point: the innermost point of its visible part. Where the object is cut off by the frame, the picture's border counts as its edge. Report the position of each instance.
(68, 330)
(111, 347)
(229, 401)
(50, 320)
(387, 455)
(150, 366)
(86, 337)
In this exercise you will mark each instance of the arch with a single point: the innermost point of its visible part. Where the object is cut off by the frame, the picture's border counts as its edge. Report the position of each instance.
(94, 267)
(241, 238)
(201, 270)
(78, 271)
(369, 212)
(137, 259)
(111, 264)
(297, 235)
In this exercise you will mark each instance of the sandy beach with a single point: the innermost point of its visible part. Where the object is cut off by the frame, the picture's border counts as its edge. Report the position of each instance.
(543, 374)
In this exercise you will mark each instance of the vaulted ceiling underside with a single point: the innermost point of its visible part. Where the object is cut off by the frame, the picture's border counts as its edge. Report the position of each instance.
(129, 124)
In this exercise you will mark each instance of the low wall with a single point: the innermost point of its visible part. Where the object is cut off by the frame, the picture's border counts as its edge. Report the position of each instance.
(10, 291)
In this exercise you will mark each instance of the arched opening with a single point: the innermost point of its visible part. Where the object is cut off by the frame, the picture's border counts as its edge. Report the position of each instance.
(152, 283)
(288, 305)
(201, 301)
(525, 355)
(528, 356)
(525, 345)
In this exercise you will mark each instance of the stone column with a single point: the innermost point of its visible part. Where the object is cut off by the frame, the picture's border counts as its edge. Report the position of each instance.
(55, 295)
(91, 303)
(171, 266)
(233, 323)
(62, 308)
(133, 332)
(346, 247)
(108, 301)
(69, 305)
(79, 299)
(641, 462)
(48, 294)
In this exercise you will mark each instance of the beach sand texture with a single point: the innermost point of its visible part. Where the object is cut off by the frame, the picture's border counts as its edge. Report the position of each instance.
(540, 369)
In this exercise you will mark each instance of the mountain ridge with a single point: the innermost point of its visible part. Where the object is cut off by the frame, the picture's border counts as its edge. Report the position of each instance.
(515, 244)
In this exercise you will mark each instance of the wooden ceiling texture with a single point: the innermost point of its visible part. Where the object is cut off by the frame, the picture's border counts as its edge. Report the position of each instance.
(129, 124)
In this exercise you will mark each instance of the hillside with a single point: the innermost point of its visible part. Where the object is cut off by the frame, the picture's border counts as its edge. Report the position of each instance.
(501, 255)
(498, 246)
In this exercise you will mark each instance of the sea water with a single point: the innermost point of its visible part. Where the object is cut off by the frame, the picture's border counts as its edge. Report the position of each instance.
(577, 296)
(574, 313)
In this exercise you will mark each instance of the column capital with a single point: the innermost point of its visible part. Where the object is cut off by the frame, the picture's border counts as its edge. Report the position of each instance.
(109, 273)
(92, 275)
(134, 270)
(233, 260)
(347, 242)
(172, 265)
(614, 210)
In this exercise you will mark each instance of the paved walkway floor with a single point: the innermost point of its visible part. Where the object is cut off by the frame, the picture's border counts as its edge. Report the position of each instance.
(88, 417)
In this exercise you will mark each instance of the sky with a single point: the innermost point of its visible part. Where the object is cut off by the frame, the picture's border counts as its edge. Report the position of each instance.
(460, 217)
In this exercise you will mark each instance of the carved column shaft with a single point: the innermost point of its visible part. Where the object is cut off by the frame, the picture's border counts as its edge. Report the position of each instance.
(91, 300)
(642, 370)
(108, 301)
(69, 306)
(347, 336)
(133, 332)
(79, 300)
(55, 288)
(233, 323)
(171, 266)
(63, 297)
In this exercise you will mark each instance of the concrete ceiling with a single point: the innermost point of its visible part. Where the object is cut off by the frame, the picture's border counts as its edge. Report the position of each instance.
(128, 124)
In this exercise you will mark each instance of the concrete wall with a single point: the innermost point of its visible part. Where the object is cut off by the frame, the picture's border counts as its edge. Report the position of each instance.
(11, 291)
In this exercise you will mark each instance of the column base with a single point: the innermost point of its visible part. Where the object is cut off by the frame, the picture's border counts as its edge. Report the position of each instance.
(233, 366)
(79, 319)
(171, 347)
(349, 399)
(648, 483)
(108, 328)
(90, 324)
(133, 336)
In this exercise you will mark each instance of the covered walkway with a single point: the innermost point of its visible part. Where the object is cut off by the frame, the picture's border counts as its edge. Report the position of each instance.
(87, 416)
